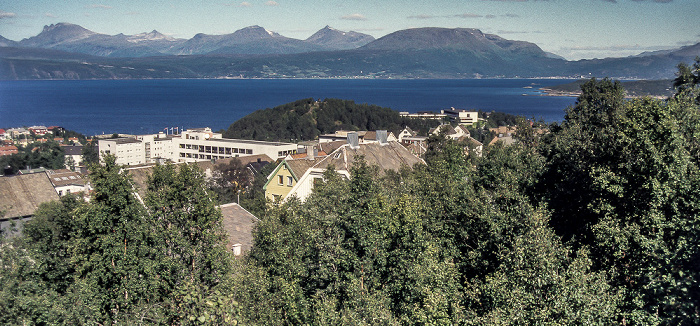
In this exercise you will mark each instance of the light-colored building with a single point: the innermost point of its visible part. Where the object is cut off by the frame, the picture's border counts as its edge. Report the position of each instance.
(362, 136)
(386, 155)
(425, 115)
(286, 175)
(67, 182)
(463, 117)
(192, 145)
(128, 151)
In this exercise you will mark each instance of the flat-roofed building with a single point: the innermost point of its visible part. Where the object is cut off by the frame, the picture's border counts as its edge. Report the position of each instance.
(462, 117)
(128, 151)
(192, 145)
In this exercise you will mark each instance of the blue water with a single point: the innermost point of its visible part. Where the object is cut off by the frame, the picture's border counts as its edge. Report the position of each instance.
(147, 106)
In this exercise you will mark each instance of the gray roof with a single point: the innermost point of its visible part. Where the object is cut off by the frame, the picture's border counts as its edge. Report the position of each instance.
(63, 177)
(21, 195)
(238, 224)
(391, 156)
(299, 166)
(73, 149)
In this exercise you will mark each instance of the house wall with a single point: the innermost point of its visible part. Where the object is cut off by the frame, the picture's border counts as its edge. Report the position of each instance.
(275, 189)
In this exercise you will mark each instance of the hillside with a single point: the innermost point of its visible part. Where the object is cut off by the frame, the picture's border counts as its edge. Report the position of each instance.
(633, 88)
(308, 118)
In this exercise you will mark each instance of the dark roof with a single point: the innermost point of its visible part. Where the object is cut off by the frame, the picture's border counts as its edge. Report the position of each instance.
(73, 149)
(238, 224)
(21, 195)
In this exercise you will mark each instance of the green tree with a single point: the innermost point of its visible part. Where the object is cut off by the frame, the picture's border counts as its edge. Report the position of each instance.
(90, 154)
(620, 178)
(113, 251)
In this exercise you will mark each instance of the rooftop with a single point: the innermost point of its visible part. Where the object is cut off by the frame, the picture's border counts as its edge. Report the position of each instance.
(21, 195)
(238, 224)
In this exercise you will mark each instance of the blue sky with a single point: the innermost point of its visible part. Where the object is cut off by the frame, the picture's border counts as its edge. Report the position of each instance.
(574, 29)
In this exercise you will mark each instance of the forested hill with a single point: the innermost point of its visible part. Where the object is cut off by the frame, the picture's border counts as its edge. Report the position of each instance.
(306, 119)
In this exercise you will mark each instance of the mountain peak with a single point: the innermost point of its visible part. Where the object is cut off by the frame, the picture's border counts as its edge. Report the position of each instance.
(338, 40)
(152, 36)
(254, 32)
(58, 33)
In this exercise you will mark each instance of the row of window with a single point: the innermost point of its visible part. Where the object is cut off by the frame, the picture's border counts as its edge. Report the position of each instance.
(280, 180)
(216, 149)
(203, 156)
(285, 153)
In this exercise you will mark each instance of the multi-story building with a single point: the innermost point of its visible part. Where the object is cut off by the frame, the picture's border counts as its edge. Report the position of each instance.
(128, 151)
(190, 146)
(462, 117)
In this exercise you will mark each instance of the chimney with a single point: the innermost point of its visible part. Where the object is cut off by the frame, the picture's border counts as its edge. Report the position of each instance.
(353, 140)
(310, 152)
(382, 137)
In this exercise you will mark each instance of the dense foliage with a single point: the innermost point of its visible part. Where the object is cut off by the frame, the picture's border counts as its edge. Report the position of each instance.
(307, 119)
(48, 155)
(595, 223)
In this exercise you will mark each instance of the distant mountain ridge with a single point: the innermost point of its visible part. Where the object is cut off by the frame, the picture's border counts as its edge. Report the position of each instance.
(255, 52)
(249, 40)
(334, 39)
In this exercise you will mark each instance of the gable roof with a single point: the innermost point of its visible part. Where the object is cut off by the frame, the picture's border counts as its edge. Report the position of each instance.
(238, 224)
(21, 195)
(390, 156)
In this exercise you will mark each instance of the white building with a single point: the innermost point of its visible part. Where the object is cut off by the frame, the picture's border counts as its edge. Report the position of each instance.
(192, 145)
(128, 151)
(463, 117)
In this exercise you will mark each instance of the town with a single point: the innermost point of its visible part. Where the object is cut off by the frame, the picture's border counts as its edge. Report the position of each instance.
(295, 166)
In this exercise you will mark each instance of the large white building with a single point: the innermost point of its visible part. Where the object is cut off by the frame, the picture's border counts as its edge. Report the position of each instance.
(191, 145)
(462, 117)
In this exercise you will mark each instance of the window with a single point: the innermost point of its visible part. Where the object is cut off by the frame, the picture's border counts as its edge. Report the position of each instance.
(249, 151)
(289, 181)
(280, 180)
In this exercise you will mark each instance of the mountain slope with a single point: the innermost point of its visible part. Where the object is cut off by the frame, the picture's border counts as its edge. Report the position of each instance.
(6, 42)
(334, 39)
(455, 39)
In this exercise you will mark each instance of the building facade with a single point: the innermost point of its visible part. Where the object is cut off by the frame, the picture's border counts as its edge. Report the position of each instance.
(192, 145)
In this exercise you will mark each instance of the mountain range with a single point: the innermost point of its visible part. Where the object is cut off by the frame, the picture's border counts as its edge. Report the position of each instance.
(68, 51)
(249, 40)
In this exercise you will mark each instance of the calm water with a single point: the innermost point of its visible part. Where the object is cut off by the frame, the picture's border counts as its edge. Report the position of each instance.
(147, 106)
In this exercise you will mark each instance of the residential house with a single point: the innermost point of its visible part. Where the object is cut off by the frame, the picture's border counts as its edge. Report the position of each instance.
(286, 175)
(67, 182)
(39, 130)
(383, 154)
(20, 196)
(363, 136)
(17, 133)
(460, 133)
(8, 150)
(3, 134)
(238, 224)
(75, 153)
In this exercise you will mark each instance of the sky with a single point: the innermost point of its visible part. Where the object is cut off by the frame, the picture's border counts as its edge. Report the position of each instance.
(573, 29)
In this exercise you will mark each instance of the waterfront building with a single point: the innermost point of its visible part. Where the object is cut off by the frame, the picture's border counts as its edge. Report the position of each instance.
(192, 145)
(462, 117)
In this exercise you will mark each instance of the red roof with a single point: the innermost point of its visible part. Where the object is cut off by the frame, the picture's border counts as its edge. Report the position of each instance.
(2, 131)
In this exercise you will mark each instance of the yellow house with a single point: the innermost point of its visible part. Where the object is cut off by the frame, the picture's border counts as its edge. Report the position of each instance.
(285, 176)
